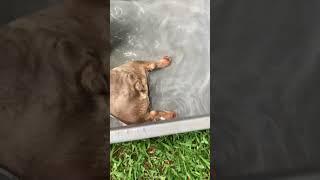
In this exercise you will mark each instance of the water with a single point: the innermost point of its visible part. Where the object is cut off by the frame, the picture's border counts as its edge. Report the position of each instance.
(148, 30)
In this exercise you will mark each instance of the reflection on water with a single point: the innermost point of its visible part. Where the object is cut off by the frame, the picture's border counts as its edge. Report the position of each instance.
(148, 30)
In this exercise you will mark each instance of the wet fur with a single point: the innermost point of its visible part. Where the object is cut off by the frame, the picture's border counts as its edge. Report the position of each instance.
(129, 92)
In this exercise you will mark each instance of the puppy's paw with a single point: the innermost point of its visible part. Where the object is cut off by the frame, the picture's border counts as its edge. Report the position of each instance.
(168, 58)
(165, 61)
(168, 115)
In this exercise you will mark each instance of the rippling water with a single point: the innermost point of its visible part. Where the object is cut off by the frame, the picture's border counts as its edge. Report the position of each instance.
(148, 30)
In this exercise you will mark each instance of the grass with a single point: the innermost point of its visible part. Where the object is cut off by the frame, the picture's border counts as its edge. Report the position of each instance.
(181, 156)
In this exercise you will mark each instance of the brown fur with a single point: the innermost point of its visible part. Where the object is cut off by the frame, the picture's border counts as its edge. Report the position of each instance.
(54, 92)
(129, 92)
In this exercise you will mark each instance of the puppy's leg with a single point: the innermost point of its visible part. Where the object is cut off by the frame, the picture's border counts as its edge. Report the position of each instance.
(160, 115)
(153, 65)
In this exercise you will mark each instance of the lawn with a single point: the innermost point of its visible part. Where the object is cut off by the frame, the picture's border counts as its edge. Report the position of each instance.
(181, 156)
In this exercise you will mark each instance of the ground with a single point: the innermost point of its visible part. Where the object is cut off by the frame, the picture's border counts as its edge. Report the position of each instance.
(181, 156)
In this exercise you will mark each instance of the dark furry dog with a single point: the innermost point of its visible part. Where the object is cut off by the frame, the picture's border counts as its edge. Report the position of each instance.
(54, 92)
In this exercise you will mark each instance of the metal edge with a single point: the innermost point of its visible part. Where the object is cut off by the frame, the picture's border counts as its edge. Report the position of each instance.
(164, 128)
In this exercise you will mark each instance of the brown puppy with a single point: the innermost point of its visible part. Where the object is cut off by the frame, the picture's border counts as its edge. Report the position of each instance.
(54, 92)
(129, 92)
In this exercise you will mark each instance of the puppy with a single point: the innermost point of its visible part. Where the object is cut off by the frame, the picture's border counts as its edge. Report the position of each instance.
(129, 92)
(54, 92)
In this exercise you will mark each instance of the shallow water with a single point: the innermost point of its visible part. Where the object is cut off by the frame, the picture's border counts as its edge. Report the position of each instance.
(148, 30)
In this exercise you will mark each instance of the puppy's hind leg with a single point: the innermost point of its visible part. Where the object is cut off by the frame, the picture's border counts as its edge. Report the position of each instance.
(161, 115)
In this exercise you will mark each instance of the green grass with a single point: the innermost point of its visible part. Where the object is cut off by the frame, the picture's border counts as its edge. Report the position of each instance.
(181, 156)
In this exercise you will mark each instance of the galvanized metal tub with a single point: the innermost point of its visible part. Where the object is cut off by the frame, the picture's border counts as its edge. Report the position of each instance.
(148, 30)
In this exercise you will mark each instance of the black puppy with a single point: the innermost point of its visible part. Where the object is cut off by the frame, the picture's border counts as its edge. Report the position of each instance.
(54, 92)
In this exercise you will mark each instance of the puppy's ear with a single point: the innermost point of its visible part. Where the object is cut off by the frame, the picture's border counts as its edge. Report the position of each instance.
(139, 86)
(94, 78)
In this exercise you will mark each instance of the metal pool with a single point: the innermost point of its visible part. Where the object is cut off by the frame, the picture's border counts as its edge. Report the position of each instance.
(148, 30)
